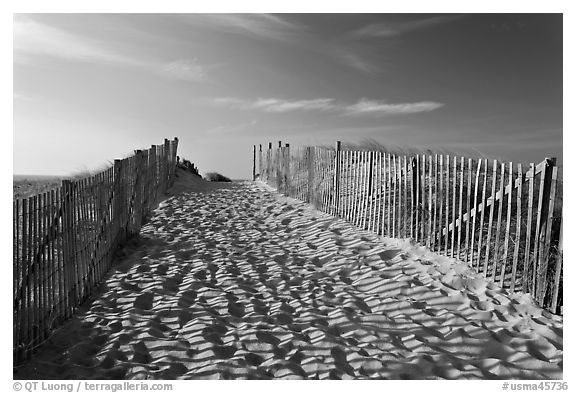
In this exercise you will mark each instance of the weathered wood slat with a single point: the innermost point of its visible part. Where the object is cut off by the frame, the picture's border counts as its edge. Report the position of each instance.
(43, 306)
(518, 232)
(17, 267)
(357, 188)
(430, 194)
(447, 201)
(548, 231)
(370, 194)
(558, 270)
(405, 163)
(441, 198)
(389, 193)
(365, 189)
(469, 204)
(394, 198)
(539, 219)
(460, 206)
(490, 221)
(473, 233)
(481, 227)
(416, 179)
(434, 236)
(454, 187)
(24, 304)
(422, 201)
(527, 249)
(508, 223)
(498, 225)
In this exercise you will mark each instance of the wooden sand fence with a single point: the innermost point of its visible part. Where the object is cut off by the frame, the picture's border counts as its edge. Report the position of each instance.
(503, 219)
(65, 239)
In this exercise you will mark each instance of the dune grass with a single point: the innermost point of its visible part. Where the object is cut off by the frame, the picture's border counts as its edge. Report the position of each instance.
(216, 177)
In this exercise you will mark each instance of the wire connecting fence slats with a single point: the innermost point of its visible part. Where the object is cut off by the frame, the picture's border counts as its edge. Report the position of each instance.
(503, 220)
(65, 239)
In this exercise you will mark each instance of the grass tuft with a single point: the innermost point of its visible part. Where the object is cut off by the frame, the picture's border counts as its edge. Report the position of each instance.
(216, 177)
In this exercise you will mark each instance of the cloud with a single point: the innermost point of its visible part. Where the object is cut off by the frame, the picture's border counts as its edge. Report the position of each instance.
(380, 108)
(186, 69)
(274, 105)
(357, 62)
(363, 107)
(34, 38)
(390, 29)
(260, 25)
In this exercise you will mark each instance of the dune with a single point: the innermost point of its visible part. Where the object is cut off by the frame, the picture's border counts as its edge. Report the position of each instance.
(233, 281)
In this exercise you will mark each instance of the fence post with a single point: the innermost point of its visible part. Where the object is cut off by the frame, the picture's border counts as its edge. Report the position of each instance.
(287, 169)
(166, 173)
(69, 255)
(415, 181)
(137, 210)
(260, 161)
(337, 170)
(118, 196)
(173, 156)
(269, 162)
(415, 203)
(154, 172)
(558, 271)
(543, 242)
(254, 164)
(310, 162)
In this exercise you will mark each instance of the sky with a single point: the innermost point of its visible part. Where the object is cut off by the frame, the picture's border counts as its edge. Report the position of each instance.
(89, 88)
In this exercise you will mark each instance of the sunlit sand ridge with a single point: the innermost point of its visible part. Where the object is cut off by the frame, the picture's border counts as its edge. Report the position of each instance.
(238, 282)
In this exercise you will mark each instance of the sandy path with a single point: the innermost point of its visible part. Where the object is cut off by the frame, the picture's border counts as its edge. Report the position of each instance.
(242, 283)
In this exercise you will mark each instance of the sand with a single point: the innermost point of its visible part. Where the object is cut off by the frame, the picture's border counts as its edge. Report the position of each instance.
(235, 281)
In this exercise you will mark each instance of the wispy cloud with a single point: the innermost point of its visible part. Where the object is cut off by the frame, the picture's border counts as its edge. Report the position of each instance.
(356, 61)
(34, 38)
(382, 108)
(394, 28)
(363, 107)
(257, 25)
(186, 69)
(274, 105)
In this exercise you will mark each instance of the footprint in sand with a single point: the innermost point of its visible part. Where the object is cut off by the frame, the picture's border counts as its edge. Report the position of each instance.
(254, 359)
(224, 351)
(389, 254)
(236, 309)
(211, 336)
(267, 338)
(145, 301)
(187, 298)
(162, 269)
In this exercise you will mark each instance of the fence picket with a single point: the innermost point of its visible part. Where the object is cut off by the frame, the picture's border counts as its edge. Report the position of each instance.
(430, 193)
(518, 230)
(434, 235)
(447, 217)
(460, 205)
(481, 227)
(406, 203)
(546, 251)
(508, 222)
(491, 220)
(497, 240)
(454, 186)
(468, 200)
